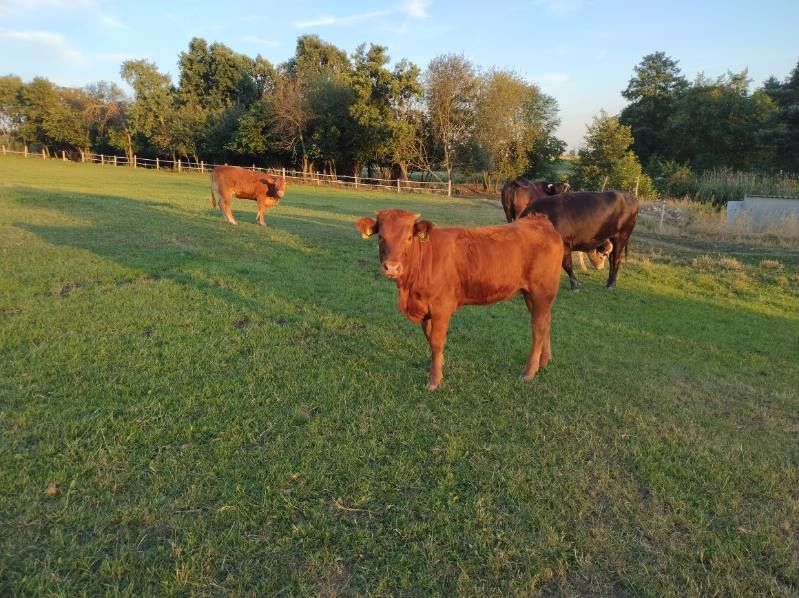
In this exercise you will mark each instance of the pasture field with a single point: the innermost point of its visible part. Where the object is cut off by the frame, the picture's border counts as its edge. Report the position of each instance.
(192, 408)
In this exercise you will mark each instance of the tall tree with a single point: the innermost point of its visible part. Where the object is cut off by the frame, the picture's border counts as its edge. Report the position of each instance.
(514, 121)
(153, 105)
(606, 161)
(716, 122)
(785, 122)
(11, 115)
(653, 92)
(451, 93)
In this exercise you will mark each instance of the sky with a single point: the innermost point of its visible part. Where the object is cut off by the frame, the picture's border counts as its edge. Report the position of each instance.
(581, 52)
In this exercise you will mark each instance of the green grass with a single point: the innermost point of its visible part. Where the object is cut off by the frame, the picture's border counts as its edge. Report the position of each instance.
(242, 410)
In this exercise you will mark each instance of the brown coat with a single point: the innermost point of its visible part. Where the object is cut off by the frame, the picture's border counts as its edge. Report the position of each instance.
(227, 181)
(438, 270)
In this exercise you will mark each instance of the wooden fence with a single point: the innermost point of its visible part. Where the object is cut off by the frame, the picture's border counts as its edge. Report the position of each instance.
(307, 178)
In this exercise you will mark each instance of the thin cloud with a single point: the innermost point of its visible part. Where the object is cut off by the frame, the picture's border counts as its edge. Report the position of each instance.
(111, 22)
(44, 40)
(416, 9)
(559, 8)
(552, 80)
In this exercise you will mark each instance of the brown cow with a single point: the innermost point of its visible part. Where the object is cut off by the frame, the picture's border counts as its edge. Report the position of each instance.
(437, 270)
(228, 181)
(516, 194)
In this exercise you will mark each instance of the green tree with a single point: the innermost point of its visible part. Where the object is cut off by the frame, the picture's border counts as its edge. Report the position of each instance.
(450, 96)
(606, 161)
(151, 112)
(653, 92)
(784, 128)
(717, 123)
(514, 125)
(11, 115)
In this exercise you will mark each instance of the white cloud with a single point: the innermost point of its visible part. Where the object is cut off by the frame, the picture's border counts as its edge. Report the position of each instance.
(44, 41)
(416, 9)
(559, 8)
(111, 22)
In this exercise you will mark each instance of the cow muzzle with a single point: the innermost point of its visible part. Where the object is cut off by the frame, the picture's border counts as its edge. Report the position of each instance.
(391, 269)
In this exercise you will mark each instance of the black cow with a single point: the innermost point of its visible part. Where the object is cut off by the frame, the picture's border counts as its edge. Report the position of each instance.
(586, 220)
(516, 194)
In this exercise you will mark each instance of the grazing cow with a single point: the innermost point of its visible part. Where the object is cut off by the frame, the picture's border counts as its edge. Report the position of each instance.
(227, 181)
(437, 270)
(586, 221)
(516, 194)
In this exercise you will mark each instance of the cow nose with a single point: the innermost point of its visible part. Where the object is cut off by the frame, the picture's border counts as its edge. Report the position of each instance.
(392, 269)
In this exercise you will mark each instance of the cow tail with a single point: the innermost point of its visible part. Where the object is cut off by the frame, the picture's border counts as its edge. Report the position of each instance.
(213, 198)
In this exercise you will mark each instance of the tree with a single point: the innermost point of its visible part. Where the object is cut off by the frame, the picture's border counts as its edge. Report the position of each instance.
(154, 103)
(784, 128)
(606, 161)
(652, 92)
(11, 115)
(451, 93)
(716, 123)
(289, 115)
(514, 125)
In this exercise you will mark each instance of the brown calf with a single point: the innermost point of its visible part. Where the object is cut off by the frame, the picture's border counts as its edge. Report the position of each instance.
(438, 270)
(227, 181)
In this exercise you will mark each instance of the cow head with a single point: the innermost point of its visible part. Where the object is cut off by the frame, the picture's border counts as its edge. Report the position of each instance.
(555, 188)
(275, 187)
(399, 233)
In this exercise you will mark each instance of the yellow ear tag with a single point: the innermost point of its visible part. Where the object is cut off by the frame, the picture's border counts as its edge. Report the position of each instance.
(422, 234)
(368, 233)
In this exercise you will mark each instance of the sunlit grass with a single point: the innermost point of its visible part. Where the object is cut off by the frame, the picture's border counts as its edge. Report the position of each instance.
(188, 407)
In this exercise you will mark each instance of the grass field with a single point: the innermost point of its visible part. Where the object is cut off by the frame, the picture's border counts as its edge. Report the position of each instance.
(192, 408)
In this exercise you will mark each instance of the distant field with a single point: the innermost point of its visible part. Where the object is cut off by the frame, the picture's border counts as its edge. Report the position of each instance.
(192, 408)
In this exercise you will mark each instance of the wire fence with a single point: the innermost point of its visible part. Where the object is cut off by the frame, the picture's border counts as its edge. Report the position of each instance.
(201, 167)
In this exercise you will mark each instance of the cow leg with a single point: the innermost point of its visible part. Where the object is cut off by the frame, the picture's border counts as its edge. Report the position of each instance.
(435, 329)
(619, 249)
(224, 204)
(261, 209)
(567, 265)
(540, 309)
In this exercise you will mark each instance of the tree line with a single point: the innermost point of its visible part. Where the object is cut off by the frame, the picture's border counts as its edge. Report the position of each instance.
(322, 110)
(326, 111)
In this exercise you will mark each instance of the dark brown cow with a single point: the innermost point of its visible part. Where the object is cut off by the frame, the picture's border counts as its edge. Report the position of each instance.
(227, 181)
(437, 270)
(516, 194)
(586, 221)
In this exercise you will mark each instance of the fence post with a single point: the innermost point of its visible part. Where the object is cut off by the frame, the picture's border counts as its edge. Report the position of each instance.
(398, 186)
(157, 164)
(284, 172)
(63, 156)
(26, 150)
(115, 160)
(180, 169)
(202, 167)
(102, 159)
(44, 156)
(4, 150)
(135, 161)
(662, 214)
(81, 156)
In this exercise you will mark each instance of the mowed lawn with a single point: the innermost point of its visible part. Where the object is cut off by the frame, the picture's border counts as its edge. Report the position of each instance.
(188, 407)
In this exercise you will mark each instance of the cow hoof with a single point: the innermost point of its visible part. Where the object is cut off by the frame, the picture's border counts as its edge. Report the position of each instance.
(433, 385)
(529, 376)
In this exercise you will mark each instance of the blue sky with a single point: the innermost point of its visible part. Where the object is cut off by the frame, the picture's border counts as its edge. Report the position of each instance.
(582, 52)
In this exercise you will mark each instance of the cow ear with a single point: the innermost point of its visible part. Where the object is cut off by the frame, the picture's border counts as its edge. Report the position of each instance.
(422, 229)
(551, 189)
(367, 226)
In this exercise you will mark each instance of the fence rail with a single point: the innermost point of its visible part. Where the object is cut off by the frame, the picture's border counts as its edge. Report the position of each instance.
(307, 178)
